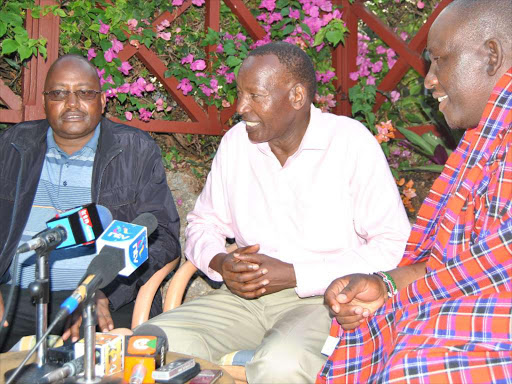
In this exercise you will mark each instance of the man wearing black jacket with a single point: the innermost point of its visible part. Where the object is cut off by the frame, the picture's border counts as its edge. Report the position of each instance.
(119, 167)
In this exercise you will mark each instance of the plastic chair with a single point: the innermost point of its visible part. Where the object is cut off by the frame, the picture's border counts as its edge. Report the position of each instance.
(174, 298)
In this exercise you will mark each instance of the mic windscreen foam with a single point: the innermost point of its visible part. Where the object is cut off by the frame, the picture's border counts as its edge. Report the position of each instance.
(106, 265)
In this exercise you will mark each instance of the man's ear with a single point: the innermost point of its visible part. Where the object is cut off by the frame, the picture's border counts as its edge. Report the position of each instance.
(495, 56)
(298, 96)
(103, 102)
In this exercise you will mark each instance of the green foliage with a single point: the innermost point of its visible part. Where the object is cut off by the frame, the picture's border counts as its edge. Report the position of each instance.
(16, 44)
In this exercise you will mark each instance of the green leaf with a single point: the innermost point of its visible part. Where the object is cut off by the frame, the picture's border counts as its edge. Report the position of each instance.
(12, 63)
(105, 45)
(320, 36)
(415, 89)
(285, 12)
(288, 29)
(99, 61)
(60, 12)
(25, 52)
(118, 32)
(334, 37)
(282, 3)
(121, 97)
(3, 28)
(9, 46)
(429, 168)
(233, 61)
(413, 118)
(42, 51)
(417, 140)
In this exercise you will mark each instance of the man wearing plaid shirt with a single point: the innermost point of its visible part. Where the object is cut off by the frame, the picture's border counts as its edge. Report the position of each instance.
(445, 314)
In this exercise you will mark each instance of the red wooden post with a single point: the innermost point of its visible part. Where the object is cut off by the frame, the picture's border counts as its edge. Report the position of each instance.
(34, 74)
(344, 60)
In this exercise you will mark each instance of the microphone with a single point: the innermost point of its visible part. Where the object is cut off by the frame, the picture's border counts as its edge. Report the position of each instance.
(84, 224)
(46, 240)
(131, 238)
(111, 260)
(78, 226)
(71, 368)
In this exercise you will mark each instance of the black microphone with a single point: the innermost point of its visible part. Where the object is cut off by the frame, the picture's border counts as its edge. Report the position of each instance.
(46, 240)
(71, 368)
(78, 226)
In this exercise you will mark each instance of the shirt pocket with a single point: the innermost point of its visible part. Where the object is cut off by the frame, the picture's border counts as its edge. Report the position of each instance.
(118, 196)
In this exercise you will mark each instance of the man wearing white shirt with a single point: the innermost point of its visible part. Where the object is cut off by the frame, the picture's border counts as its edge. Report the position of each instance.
(309, 197)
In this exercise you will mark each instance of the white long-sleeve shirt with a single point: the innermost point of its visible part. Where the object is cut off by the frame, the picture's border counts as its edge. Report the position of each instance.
(331, 210)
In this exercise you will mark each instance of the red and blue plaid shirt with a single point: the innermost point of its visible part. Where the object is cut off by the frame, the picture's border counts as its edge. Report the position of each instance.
(455, 323)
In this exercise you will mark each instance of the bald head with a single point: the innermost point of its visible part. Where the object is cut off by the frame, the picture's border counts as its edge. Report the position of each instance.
(77, 61)
(481, 20)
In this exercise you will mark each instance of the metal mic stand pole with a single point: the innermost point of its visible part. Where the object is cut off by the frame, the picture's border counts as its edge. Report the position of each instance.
(89, 318)
(40, 292)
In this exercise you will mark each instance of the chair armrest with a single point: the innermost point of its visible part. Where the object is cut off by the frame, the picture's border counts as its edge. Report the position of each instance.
(176, 289)
(147, 293)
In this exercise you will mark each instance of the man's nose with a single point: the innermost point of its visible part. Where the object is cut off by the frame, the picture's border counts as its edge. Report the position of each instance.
(430, 80)
(242, 105)
(72, 99)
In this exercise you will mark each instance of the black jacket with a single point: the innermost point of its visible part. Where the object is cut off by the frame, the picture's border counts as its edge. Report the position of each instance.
(128, 178)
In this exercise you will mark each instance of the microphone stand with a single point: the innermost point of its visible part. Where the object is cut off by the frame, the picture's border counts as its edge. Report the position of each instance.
(89, 322)
(40, 292)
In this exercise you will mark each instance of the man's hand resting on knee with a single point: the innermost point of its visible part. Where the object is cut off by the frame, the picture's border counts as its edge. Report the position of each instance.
(74, 321)
(250, 275)
(2, 309)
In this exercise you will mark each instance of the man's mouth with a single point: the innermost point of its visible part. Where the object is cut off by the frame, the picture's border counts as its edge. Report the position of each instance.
(251, 123)
(442, 98)
(73, 116)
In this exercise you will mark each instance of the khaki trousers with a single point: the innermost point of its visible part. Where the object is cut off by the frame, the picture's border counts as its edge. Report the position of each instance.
(286, 332)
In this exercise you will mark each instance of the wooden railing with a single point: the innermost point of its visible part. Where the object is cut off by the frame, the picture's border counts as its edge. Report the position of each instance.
(208, 119)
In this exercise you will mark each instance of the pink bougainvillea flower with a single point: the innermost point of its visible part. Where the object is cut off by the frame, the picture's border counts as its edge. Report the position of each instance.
(169, 108)
(135, 43)
(404, 36)
(188, 59)
(222, 69)
(420, 5)
(137, 87)
(185, 86)
(294, 14)
(125, 68)
(104, 28)
(207, 91)
(269, 5)
(395, 95)
(100, 72)
(149, 87)
(132, 24)
(214, 84)
(391, 62)
(109, 55)
(370, 80)
(164, 35)
(198, 65)
(179, 202)
(380, 50)
(125, 88)
(198, 2)
(200, 74)
(310, 9)
(179, 40)
(220, 48)
(159, 104)
(274, 17)
(241, 36)
(116, 45)
(111, 92)
(144, 114)
(177, 3)
(91, 54)
(377, 67)
(128, 115)
(226, 104)
(353, 76)
(325, 5)
(164, 24)
(230, 77)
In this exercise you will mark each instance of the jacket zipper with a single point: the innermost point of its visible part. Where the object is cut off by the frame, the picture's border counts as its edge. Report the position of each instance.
(103, 172)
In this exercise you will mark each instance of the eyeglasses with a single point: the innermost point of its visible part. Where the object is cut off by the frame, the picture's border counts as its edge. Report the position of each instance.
(61, 94)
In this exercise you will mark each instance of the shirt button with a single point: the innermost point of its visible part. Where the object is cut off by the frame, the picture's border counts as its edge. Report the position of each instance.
(65, 183)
